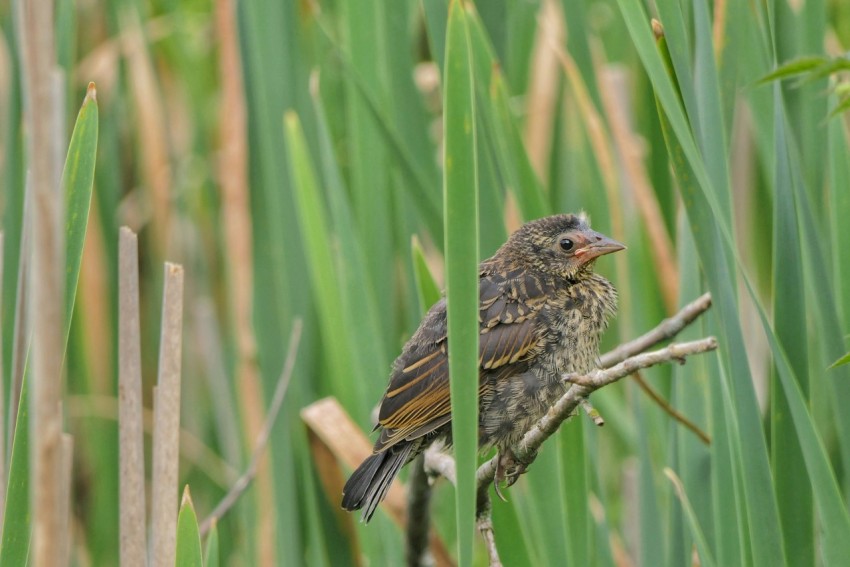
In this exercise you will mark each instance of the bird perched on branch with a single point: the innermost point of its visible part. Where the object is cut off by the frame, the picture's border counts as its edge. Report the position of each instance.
(542, 310)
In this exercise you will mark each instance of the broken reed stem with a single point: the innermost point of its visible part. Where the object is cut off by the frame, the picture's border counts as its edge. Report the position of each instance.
(166, 448)
(244, 481)
(131, 528)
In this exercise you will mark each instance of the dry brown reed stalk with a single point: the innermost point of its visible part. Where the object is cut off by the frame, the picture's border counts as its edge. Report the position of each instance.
(166, 449)
(37, 48)
(233, 179)
(542, 97)
(131, 453)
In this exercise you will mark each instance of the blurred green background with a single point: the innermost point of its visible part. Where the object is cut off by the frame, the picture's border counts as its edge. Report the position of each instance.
(726, 182)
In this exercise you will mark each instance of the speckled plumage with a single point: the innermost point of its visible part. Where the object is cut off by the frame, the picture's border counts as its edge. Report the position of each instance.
(542, 311)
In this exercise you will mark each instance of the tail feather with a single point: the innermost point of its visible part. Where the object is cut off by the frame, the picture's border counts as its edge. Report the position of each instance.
(370, 483)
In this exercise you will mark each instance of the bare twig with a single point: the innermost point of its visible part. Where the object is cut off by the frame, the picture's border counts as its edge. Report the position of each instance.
(670, 410)
(583, 386)
(667, 329)
(592, 412)
(131, 450)
(677, 352)
(166, 446)
(244, 481)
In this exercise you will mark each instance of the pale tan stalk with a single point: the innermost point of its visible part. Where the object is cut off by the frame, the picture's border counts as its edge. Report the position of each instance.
(131, 454)
(166, 433)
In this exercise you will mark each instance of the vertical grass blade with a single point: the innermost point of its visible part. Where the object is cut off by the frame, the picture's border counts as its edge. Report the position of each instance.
(794, 495)
(166, 440)
(14, 546)
(460, 187)
(78, 178)
(427, 291)
(211, 550)
(188, 552)
(316, 234)
(131, 456)
(705, 555)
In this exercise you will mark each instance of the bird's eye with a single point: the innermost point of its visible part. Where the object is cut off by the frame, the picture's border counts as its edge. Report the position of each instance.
(566, 244)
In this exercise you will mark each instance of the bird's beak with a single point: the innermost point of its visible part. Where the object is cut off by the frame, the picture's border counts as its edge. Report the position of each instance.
(599, 246)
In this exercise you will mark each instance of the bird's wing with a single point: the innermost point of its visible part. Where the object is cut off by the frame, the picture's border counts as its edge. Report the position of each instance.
(417, 399)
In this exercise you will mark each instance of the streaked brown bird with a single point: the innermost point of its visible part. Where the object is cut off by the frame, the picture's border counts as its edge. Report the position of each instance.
(541, 313)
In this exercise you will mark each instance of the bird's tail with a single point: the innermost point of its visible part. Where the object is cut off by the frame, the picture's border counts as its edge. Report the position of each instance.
(369, 484)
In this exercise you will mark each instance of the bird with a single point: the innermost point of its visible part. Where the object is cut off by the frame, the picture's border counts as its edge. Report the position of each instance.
(542, 311)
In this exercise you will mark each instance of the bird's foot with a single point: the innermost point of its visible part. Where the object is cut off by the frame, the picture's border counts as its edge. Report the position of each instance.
(508, 470)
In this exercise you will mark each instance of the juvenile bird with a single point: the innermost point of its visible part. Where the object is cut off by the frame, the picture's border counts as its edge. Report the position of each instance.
(541, 313)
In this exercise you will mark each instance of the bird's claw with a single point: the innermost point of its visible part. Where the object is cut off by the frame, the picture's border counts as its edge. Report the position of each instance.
(508, 470)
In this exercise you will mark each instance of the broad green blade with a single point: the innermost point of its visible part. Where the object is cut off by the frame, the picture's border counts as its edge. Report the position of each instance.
(460, 187)
(188, 538)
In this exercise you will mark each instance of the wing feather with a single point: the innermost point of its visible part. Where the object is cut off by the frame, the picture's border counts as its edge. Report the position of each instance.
(417, 399)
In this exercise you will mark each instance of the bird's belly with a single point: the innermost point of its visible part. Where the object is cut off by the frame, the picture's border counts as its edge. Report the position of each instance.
(515, 404)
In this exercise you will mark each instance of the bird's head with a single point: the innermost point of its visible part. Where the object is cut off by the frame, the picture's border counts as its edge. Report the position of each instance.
(561, 245)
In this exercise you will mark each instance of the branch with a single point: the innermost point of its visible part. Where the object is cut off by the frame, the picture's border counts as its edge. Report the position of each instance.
(583, 386)
(667, 329)
(244, 481)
